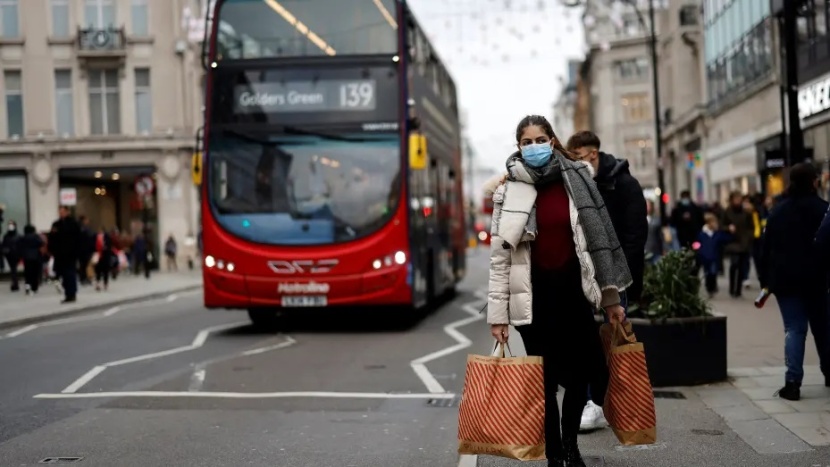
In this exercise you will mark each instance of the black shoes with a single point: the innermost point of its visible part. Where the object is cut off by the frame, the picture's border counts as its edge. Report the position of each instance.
(557, 463)
(791, 391)
(827, 381)
(572, 456)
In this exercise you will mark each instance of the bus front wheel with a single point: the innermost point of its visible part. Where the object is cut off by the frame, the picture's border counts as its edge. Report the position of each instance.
(263, 318)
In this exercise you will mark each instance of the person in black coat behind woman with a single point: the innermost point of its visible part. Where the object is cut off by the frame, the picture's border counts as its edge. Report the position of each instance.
(792, 271)
(30, 245)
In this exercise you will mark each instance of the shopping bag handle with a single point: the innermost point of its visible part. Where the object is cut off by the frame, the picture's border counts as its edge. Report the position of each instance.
(502, 349)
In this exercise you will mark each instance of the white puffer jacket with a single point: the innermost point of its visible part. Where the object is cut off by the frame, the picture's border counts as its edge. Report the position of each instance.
(510, 297)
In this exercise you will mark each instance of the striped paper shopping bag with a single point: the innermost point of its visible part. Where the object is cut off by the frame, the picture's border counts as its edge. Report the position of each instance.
(502, 411)
(629, 401)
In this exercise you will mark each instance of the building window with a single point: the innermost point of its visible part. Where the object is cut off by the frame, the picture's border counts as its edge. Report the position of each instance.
(688, 15)
(143, 101)
(9, 26)
(140, 18)
(639, 151)
(634, 68)
(104, 106)
(636, 107)
(64, 107)
(14, 198)
(748, 62)
(60, 18)
(14, 104)
(99, 14)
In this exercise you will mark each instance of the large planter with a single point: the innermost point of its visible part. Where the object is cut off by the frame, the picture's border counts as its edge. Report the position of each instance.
(683, 351)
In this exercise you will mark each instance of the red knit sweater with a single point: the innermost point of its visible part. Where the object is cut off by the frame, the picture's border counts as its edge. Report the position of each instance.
(554, 245)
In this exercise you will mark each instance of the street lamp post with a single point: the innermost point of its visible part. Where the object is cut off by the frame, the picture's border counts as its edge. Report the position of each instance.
(655, 76)
(658, 131)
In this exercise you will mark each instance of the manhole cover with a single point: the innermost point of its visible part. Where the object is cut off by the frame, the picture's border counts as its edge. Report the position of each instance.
(669, 395)
(451, 402)
(698, 431)
(61, 460)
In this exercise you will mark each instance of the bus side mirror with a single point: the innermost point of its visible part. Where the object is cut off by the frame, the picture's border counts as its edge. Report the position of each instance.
(196, 168)
(417, 151)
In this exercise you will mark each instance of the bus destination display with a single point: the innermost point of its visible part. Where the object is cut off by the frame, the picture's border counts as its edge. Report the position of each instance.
(305, 96)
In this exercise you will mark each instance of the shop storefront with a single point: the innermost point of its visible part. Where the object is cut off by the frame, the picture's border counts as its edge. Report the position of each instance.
(814, 111)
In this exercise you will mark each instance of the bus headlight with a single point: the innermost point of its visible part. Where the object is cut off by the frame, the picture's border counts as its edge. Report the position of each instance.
(400, 257)
(222, 265)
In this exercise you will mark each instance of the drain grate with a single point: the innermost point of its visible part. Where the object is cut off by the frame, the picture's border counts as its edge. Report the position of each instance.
(451, 402)
(61, 460)
(669, 395)
(699, 431)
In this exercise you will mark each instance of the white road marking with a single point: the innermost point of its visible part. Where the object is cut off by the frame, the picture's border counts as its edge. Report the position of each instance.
(199, 341)
(87, 377)
(23, 330)
(197, 379)
(419, 365)
(289, 341)
(110, 312)
(467, 460)
(248, 395)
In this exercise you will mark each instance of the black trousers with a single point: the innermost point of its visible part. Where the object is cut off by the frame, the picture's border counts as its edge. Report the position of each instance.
(738, 263)
(32, 272)
(565, 335)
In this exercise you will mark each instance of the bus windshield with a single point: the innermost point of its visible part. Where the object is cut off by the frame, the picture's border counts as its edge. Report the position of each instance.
(303, 189)
(299, 28)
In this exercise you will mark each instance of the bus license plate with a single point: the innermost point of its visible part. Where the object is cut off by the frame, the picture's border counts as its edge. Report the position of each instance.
(304, 301)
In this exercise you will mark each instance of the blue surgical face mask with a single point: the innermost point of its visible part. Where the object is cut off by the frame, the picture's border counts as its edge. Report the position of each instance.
(537, 155)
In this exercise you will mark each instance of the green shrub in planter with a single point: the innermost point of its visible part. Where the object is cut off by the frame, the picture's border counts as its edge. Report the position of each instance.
(671, 289)
(685, 342)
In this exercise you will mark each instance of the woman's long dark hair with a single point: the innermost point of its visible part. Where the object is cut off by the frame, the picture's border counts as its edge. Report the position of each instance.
(544, 124)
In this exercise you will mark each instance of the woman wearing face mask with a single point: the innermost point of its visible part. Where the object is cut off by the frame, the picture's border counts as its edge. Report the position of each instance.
(554, 260)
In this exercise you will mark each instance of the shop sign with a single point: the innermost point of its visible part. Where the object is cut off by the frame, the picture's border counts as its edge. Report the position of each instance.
(68, 196)
(814, 98)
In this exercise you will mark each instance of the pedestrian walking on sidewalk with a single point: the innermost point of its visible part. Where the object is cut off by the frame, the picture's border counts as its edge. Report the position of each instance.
(170, 250)
(64, 244)
(711, 241)
(739, 223)
(793, 271)
(623, 198)
(103, 259)
(11, 253)
(30, 252)
(550, 292)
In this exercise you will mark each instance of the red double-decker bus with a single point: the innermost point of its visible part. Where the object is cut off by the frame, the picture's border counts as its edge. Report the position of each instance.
(332, 158)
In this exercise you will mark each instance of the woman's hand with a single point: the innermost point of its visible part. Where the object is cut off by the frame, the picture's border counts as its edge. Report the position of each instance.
(616, 313)
(500, 332)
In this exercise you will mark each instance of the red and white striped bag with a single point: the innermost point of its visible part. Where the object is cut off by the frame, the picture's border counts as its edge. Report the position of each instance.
(502, 411)
(629, 401)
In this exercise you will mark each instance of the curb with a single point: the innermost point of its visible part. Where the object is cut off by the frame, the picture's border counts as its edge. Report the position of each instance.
(88, 309)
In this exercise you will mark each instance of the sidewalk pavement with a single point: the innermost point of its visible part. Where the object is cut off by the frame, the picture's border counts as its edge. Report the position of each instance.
(17, 308)
(745, 424)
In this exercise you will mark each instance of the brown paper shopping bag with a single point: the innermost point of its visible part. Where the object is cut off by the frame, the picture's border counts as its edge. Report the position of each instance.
(502, 411)
(629, 401)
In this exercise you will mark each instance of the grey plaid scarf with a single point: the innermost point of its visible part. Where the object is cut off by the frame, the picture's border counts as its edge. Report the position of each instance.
(602, 244)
